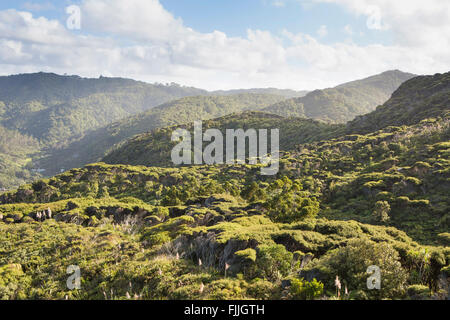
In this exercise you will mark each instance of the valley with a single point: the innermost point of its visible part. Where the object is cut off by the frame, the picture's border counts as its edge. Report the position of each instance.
(360, 189)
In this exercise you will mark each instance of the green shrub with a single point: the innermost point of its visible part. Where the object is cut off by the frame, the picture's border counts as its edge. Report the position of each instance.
(418, 292)
(381, 212)
(304, 290)
(350, 263)
(274, 262)
(444, 238)
(159, 238)
(247, 254)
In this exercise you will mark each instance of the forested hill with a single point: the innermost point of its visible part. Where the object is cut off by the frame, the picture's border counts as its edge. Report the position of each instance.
(336, 207)
(57, 109)
(74, 121)
(42, 112)
(95, 145)
(417, 99)
(154, 148)
(50, 88)
(344, 102)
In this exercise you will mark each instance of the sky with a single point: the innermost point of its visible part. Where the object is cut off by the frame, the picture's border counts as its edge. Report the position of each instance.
(226, 44)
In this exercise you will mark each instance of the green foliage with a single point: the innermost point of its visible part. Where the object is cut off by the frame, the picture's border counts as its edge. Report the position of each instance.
(95, 144)
(16, 152)
(13, 282)
(417, 99)
(154, 148)
(419, 292)
(287, 202)
(381, 212)
(344, 102)
(143, 230)
(274, 262)
(445, 238)
(247, 254)
(304, 290)
(59, 110)
(350, 263)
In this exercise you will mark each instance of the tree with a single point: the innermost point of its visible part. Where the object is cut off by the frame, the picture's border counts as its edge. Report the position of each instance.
(253, 192)
(274, 261)
(288, 203)
(351, 263)
(381, 213)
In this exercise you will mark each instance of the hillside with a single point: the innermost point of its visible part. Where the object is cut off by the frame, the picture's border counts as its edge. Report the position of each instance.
(95, 145)
(336, 207)
(54, 111)
(16, 153)
(58, 109)
(417, 99)
(143, 230)
(154, 148)
(344, 102)
(78, 121)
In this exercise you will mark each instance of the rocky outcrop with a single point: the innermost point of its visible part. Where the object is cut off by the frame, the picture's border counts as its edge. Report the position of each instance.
(213, 253)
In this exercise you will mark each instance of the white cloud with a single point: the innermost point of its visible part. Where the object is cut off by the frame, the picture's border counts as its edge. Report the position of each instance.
(322, 31)
(413, 22)
(31, 6)
(137, 19)
(142, 40)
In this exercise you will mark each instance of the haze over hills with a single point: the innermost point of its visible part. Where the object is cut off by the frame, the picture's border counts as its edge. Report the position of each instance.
(344, 102)
(286, 93)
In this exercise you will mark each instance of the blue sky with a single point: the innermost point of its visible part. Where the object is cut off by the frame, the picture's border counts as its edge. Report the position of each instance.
(235, 17)
(215, 44)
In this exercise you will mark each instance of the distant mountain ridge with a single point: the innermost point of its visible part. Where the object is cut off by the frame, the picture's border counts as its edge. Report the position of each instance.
(44, 111)
(344, 102)
(75, 121)
(97, 143)
(287, 93)
(417, 99)
(56, 108)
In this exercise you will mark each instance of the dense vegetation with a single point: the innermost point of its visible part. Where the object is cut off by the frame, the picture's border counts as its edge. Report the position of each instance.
(57, 110)
(343, 103)
(154, 148)
(96, 144)
(16, 152)
(416, 99)
(72, 117)
(342, 201)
